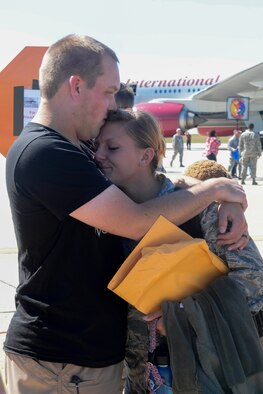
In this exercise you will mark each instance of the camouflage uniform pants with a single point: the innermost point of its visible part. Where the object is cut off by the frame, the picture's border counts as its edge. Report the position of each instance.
(250, 162)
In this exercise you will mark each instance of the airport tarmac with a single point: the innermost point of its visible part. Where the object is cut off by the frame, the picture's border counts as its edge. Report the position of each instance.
(8, 250)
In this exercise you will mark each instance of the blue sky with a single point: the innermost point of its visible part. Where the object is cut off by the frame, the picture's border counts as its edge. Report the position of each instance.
(152, 38)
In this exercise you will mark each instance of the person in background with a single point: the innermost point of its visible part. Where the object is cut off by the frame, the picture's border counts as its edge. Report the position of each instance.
(178, 147)
(250, 151)
(234, 159)
(124, 97)
(69, 331)
(160, 167)
(128, 151)
(211, 146)
(188, 140)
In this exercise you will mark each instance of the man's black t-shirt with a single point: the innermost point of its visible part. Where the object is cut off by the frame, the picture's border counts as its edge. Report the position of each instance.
(65, 313)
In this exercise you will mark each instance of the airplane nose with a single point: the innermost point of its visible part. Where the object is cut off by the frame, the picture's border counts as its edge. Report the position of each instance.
(189, 120)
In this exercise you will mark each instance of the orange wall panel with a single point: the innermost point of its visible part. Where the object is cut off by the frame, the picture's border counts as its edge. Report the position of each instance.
(19, 72)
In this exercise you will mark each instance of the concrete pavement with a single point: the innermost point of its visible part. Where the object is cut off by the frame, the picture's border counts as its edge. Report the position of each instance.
(8, 251)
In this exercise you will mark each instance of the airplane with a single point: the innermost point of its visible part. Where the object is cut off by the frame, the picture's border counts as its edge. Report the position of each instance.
(146, 90)
(202, 103)
(197, 103)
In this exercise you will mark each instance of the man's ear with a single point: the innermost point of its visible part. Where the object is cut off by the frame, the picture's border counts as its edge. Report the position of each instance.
(147, 157)
(75, 86)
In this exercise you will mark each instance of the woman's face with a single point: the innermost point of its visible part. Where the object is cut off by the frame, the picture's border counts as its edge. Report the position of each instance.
(117, 155)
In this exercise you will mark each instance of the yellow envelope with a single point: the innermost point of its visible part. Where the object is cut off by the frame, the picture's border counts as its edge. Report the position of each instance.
(167, 264)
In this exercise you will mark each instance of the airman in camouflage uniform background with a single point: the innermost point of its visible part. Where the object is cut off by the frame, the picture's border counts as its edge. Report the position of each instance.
(250, 150)
(178, 147)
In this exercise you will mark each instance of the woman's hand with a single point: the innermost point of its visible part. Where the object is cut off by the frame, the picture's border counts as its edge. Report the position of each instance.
(160, 325)
(236, 235)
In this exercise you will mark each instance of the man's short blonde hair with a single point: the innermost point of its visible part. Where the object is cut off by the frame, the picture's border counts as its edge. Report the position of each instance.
(72, 55)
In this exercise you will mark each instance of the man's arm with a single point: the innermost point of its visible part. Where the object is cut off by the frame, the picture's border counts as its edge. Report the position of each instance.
(231, 146)
(116, 213)
(241, 144)
(259, 149)
(228, 212)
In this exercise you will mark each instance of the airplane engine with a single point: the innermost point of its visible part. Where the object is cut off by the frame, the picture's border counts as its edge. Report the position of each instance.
(170, 116)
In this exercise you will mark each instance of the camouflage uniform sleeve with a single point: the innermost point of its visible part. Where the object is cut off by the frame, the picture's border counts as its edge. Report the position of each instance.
(259, 150)
(246, 266)
(241, 144)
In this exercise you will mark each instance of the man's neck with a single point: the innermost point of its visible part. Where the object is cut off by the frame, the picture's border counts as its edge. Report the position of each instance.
(56, 120)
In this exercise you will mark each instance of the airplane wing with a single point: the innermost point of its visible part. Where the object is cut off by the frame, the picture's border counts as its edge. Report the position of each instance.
(247, 83)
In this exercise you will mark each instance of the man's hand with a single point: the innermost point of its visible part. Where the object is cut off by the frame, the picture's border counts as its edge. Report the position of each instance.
(225, 189)
(228, 190)
(237, 236)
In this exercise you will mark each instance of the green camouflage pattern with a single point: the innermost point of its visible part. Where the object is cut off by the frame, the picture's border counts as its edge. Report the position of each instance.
(246, 266)
(136, 352)
(250, 151)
